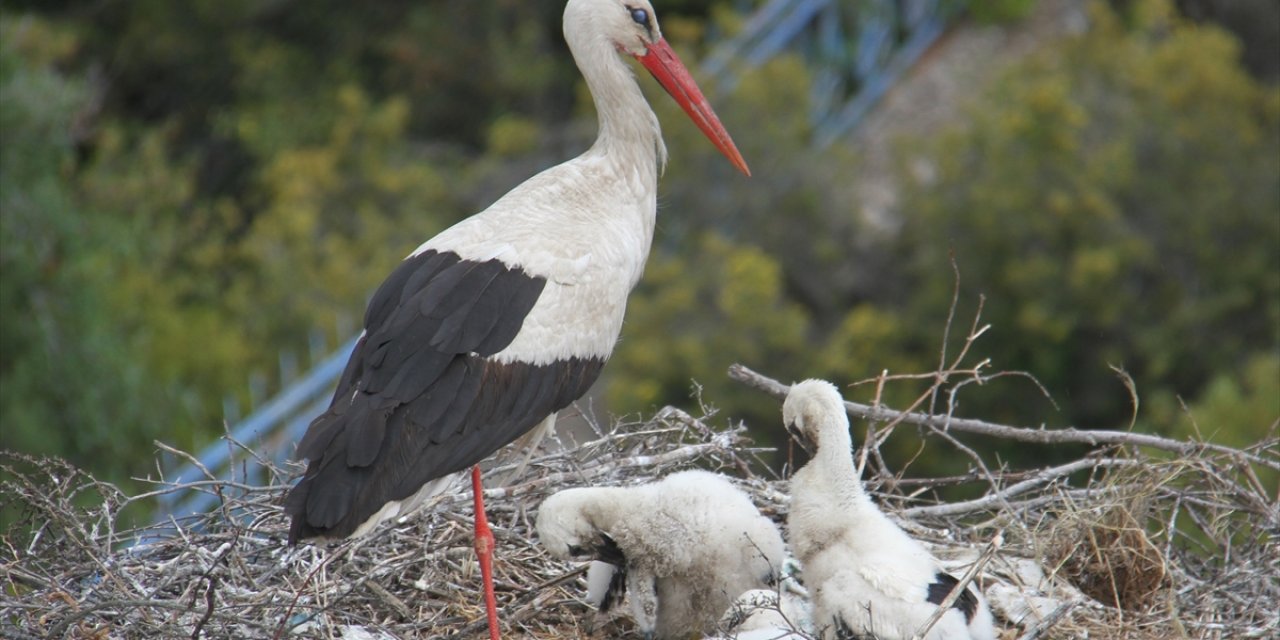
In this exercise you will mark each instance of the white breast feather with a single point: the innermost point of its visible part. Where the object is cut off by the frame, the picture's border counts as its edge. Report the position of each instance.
(587, 232)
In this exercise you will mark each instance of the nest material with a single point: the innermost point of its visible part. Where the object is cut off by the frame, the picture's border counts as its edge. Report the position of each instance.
(1144, 549)
(1110, 557)
(229, 574)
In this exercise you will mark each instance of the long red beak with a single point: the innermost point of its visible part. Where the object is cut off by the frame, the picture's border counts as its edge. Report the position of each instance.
(662, 62)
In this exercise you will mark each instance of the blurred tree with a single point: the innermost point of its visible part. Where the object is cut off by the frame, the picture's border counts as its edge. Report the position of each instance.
(241, 157)
(255, 168)
(797, 205)
(692, 316)
(1255, 22)
(339, 216)
(1116, 199)
(1235, 408)
(70, 383)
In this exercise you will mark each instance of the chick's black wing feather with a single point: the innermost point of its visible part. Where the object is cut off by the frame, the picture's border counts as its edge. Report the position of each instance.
(608, 551)
(942, 585)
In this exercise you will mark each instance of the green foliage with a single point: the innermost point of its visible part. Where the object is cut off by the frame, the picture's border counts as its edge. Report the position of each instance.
(512, 136)
(161, 259)
(242, 177)
(694, 316)
(1115, 198)
(139, 294)
(338, 212)
(247, 174)
(1000, 11)
(70, 382)
(339, 216)
(1236, 408)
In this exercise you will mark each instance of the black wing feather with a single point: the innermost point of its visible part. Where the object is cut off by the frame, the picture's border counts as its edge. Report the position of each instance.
(406, 279)
(966, 602)
(488, 312)
(419, 399)
(521, 299)
(608, 551)
(458, 312)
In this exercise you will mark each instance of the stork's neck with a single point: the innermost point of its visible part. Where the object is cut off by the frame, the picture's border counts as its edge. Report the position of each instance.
(835, 459)
(629, 131)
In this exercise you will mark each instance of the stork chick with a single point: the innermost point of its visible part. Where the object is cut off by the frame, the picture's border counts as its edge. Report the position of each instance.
(867, 577)
(781, 613)
(682, 548)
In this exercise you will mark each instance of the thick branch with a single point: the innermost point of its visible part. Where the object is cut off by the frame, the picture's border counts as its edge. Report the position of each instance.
(1043, 477)
(1093, 437)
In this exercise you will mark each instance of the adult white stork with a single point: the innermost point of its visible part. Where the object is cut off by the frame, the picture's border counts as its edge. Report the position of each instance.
(867, 577)
(489, 328)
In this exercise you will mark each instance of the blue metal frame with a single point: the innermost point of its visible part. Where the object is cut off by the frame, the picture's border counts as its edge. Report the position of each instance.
(293, 409)
(857, 49)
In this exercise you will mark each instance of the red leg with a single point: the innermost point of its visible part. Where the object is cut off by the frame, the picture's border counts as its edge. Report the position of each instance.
(484, 551)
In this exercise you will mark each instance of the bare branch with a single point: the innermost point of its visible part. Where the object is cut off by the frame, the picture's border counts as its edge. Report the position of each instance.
(1041, 478)
(1094, 437)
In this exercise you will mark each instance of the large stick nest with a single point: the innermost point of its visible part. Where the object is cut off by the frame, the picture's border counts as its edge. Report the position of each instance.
(1121, 543)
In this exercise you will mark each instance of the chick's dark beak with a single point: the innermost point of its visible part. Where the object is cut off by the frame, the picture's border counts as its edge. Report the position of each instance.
(801, 438)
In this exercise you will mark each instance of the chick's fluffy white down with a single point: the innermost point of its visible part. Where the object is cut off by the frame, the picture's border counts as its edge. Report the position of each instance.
(692, 543)
(864, 572)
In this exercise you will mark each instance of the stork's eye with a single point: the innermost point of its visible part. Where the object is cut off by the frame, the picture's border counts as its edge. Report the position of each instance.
(640, 16)
(575, 550)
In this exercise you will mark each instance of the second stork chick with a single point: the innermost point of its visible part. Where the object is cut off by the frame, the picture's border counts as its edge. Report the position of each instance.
(867, 577)
(681, 549)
